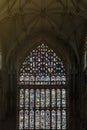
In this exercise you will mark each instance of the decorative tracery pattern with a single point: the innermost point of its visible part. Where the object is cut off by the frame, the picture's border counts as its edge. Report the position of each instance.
(42, 91)
(42, 67)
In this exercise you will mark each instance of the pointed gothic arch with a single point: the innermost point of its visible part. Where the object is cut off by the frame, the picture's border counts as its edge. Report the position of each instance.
(42, 91)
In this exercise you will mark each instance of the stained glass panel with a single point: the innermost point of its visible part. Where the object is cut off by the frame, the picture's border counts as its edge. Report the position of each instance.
(53, 119)
(42, 125)
(21, 97)
(37, 119)
(31, 119)
(42, 91)
(26, 119)
(47, 119)
(63, 98)
(37, 98)
(26, 98)
(21, 119)
(58, 119)
(58, 98)
(31, 98)
(63, 119)
(53, 95)
(42, 98)
(42, 67)
(47, 98)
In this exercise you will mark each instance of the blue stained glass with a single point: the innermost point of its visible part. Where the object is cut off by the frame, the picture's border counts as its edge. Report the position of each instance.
(63, 119)
(37, 119)
(31, 98)
(26, 123)
(43, 78)
(47, 119)
(31, 119)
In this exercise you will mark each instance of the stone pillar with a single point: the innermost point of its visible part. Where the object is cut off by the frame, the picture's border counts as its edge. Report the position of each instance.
(12, 91)
(12, 95)
(0, 96)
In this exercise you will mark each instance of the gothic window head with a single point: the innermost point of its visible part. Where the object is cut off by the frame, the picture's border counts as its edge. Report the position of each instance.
(42, 91)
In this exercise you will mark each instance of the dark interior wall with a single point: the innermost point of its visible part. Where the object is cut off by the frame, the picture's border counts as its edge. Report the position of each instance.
(83, 99)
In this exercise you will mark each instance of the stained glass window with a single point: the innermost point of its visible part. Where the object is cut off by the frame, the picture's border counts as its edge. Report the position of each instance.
(53, 119)
(26, 98)
(31, 114)
(47, 119)
(37, 119)
(42, 91)
(37, 98)
(26, 116)
(42, 125)
(47, 98)
(21, 117)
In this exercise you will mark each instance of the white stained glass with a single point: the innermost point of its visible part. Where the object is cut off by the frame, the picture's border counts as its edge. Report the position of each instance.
(42, 125)
(38, 79)
(42, 98)
(21, 97)
(58, 80)
(63, 98)
(63, 119)
(53, 99)
(47, 119)
(53, 123)
(53, 78)
(22, 78)
(31, 119)
(58, 119)
(26, 79)
(37, 119)
(26, 121)
(48, 78)
(63, 78)
(47, 98)
(37, 98)
(26, 98)
(58, 98)
(21, 119)
(31, 98)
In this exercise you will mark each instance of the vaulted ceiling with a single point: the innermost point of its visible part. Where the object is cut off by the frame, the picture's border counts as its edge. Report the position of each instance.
(65, 20)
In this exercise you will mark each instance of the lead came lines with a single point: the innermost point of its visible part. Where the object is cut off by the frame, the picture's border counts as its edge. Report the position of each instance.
(43, 107)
